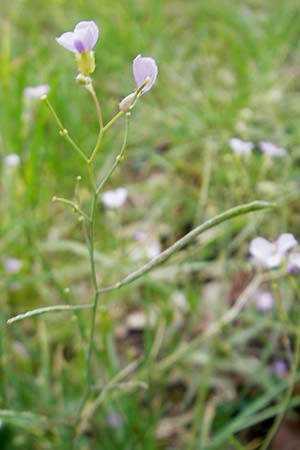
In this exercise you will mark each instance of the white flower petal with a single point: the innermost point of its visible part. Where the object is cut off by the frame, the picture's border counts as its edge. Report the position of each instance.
(294, 262)
(12, 265)
(262, 250)
(273, 261)
(240, 147)
(36, 91)
(285, 242)
(66, 40)
(264, 300)
(87, 32)
(12, 160)
(268, 148)
(114, 198)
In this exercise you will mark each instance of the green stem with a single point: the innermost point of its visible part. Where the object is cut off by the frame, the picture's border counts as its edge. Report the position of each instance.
(96, 290)
(91, 90)
(113, 120)
(97, 146)
(92, 179)
(63, 131)
(101, 134)
(120, 156)
(47, 309)
(73, 205)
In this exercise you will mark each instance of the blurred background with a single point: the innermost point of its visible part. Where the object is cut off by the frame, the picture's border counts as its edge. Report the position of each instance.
(227, 69)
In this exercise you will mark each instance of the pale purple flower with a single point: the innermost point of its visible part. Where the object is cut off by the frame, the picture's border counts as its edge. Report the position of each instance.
(114, 198)
(12, 265)
(114, 420)
(264, 300)
(143, 68)
(270, 254)
(240, 147)
(12, 160)
(36, 91)
(140, 236)
(82, 39)
(280, 368)
(268, 148)
(20, 349)
(294, 263)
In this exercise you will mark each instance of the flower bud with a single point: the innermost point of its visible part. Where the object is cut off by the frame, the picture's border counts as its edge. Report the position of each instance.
(86, 62)
(126, 103)
(83, 80)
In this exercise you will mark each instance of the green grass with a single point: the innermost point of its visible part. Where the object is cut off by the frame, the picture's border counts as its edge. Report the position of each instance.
(226, 68)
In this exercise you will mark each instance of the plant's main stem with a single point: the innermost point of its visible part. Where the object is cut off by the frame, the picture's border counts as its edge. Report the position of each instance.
(95, 287)
(95, 194)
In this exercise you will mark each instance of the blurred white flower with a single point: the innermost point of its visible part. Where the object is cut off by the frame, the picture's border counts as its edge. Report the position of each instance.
(153, 249)
(12, 265)
(150, 249)
(140, 236)
(36, 91)
(179, 300)
(264, 300)
(268, 148)
(270, 254)
(12, 160)
(240, 147)
(114, 198)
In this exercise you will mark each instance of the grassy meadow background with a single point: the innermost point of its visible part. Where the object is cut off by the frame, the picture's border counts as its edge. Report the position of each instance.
(227, 68)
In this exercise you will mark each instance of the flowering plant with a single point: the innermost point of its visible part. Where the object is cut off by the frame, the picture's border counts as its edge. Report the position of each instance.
(81, 41)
